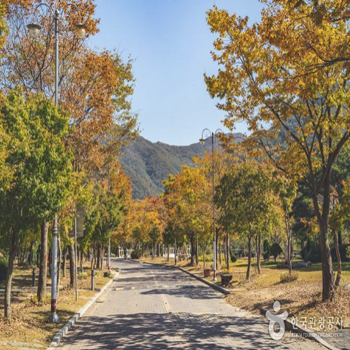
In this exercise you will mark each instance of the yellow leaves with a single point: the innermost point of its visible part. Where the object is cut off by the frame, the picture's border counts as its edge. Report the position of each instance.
(187, 200)
(287, 73)
(94, 86)
(146, 216)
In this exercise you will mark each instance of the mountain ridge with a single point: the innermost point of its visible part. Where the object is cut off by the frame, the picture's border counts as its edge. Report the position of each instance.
(148, 164)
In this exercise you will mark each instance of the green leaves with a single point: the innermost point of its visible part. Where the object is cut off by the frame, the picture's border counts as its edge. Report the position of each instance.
(247, 199)
(39, 159)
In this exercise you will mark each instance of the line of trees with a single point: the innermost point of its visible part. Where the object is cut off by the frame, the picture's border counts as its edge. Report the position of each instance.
(260, 212)
(53, 160)
(287, 78)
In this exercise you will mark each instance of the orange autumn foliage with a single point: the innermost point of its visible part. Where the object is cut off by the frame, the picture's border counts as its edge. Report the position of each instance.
(93, 86)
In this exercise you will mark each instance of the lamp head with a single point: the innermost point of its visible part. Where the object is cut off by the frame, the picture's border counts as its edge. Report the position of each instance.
(202, 141)
(34, 30)
(80, 30)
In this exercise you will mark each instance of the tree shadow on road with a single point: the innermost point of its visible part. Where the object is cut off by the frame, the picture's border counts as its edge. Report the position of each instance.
(182, 291)
(172, 331)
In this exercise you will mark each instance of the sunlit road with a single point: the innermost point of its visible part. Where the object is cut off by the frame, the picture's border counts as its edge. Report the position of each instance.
(153, 307)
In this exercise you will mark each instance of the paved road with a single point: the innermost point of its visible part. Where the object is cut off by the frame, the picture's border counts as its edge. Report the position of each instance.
(153, 307)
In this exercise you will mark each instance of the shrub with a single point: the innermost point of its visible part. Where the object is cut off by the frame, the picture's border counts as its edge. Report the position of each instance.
(305, 249)
(83, 275)
(89, 273)
(314, 254)
(266, 255)
(276, 250)
(347, 253)
(3, 269)
(286, 277)
(34, 300)
(136, 254)
(344, 251)
(311, 252)
(266, 245)
(233, 257)
(266, 249)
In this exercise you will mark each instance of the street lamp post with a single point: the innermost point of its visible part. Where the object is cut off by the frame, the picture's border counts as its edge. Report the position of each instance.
(202, 141)
(34, 32)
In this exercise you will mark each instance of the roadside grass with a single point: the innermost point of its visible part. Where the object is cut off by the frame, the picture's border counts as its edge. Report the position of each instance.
(29, 327)
(301, 298)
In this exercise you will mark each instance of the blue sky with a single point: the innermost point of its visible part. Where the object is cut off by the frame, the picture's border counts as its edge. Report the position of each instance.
(170, 42)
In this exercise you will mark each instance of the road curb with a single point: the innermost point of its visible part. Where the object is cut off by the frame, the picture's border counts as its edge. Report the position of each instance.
(210, 284)
(63, 331)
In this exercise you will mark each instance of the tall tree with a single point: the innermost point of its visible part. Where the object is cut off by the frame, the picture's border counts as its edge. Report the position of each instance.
(95, 87)
(223, 161)
(280, 77)
(249, 205)
(42, 168)
(188, 199)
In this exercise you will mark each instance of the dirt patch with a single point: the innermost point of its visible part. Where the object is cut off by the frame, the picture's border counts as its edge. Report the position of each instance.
(29, 326)
(302, 300)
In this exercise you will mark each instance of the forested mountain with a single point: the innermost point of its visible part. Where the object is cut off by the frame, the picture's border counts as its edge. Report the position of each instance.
(148, 164)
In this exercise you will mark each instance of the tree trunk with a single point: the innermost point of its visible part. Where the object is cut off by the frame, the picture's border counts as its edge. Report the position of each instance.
(19, 258)
(197, 252)
(94, 255)
(249, 256)
(340, 239)
(258, 253)
(327, 266)
(227, 250)
(290, 252)
(72, 265)
(175, 253)
(289, 242)
(81, 260)
(98, 257)
(168, 254)
(216, 239)
(9, 275)
(41, 293)
(38, 254)
(322, 219)
(337, 252)
(102, 256)
(203, 253)
(192, 250)
(64, 262)
(31, 254)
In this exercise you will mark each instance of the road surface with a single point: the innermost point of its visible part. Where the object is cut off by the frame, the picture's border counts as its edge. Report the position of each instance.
(155, 307)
